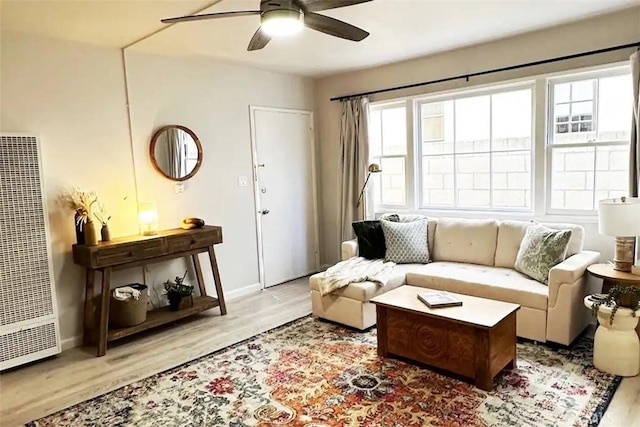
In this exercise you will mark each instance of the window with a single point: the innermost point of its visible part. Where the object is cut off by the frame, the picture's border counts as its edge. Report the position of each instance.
(476, 151)
(388, 148)
(588, 141)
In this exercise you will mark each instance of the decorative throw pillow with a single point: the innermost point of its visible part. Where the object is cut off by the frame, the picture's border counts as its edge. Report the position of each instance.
(406, 241)
(371, 238)
(541, 249)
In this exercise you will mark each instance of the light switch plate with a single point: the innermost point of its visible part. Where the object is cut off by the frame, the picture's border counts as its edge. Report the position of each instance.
(242, 181)
(179, 187)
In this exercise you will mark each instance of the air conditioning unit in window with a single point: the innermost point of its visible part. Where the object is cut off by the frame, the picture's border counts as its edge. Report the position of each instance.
(28, 311)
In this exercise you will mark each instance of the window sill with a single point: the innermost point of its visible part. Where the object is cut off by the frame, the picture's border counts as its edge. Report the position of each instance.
(512, 215)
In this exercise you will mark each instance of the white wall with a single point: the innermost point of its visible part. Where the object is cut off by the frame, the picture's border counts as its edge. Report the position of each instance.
(594, 33)
(212, 99)
(73, 96)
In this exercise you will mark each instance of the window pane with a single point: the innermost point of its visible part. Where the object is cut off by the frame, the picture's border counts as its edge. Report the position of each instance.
(562, 92)
(511, 179)
(581, 91)
(614, 101)
(472, 180)
(433, 128)
(472, 124)
(375, 133)
(437, 181)
(437, 130)
(563, 111)
(511, 120)
(572, 178)
(612, 168)
(392, 181)
(394, 131)
(581, 111)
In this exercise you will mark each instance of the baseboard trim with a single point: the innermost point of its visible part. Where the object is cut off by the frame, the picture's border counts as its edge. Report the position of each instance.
(244, 291)
(76, 341)
(69, 343)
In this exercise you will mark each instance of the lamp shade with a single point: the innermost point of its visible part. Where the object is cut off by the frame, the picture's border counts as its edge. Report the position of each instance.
(619, 217)
(148, 218)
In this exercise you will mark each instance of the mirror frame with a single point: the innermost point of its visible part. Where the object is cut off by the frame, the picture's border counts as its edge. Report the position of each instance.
(152, 152)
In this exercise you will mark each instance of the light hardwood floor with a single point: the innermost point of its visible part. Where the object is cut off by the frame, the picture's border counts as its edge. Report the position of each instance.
(76, 375)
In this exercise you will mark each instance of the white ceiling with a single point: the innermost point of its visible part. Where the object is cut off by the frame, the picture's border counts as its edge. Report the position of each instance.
(400, 29)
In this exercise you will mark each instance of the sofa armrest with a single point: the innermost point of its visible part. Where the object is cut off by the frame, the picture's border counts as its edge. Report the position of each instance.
(569, 271)
(349, 249)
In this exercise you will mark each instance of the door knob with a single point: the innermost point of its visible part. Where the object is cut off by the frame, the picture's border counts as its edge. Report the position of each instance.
(265, 211)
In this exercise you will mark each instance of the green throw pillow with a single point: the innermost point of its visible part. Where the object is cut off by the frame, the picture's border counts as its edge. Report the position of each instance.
(541, 249)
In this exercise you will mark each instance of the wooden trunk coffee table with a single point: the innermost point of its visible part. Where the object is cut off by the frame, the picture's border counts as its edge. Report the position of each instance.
(476, 340)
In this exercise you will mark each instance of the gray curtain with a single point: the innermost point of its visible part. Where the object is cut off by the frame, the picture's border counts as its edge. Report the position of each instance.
(634, 158)
(354, 161)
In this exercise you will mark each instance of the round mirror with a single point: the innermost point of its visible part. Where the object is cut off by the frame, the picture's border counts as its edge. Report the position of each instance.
(176, 152)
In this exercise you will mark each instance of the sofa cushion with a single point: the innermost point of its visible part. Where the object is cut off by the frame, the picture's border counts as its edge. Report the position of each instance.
(371, 238)
(541, 249)
(465, 240)
(510, 234)
(364, 291)
(406, 241)
(501, 284)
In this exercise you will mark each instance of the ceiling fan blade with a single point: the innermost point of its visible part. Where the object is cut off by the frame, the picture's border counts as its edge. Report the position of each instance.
(259, 40)
(334, 27)
(209, 16)
(318, 5)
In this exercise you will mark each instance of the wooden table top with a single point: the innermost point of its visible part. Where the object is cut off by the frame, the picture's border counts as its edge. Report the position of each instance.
(475, 311)
(606, 271)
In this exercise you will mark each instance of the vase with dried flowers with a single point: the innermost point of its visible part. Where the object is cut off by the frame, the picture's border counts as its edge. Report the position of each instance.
(81, 202)
(102, 216)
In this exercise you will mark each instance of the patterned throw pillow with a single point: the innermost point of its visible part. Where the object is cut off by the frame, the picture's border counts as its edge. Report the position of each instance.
(406, 241)
(541, 249)
(371, 238)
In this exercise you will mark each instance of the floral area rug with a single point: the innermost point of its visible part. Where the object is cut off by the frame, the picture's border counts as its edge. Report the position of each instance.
(311, 373)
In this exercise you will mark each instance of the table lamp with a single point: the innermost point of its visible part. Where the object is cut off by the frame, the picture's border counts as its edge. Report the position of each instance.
(373, 168)
(621, 218)
(148, 218)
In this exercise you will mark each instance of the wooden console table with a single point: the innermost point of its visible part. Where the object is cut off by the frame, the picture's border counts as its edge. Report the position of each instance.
(136, 251)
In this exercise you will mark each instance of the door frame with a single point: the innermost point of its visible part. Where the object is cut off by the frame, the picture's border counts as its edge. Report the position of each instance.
(256, 188)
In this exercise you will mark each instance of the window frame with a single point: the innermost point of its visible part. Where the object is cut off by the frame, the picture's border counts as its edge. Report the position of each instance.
(550, 124)
(541, 153)
(495, 89)
(408, 170)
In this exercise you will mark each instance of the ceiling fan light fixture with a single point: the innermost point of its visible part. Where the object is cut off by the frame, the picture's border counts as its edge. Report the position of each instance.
(282, 22)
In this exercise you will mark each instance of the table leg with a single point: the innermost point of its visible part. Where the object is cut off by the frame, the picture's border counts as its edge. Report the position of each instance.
(216, 278)
(104, 311)
(381, 326)
(89, 308)
(199, 276)
(483, 378)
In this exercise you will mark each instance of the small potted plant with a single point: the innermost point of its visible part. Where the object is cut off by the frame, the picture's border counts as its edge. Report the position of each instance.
(179, 295)
(619, 296)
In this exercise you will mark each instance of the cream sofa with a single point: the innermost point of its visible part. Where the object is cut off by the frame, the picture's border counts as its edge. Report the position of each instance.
(477, 257)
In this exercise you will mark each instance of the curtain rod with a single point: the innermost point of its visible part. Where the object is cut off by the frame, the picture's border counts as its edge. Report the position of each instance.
(495, 70)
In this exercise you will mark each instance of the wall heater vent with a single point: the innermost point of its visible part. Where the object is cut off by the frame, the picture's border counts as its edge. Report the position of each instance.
(28, 313)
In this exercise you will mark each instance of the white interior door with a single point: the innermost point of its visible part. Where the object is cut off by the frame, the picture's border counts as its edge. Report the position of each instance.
(285, 194)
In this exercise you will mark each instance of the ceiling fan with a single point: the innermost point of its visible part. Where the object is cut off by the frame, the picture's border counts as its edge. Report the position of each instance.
(286, 17)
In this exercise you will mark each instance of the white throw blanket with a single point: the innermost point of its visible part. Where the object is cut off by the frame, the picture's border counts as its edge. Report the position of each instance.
(354, 270)
(125, 293)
